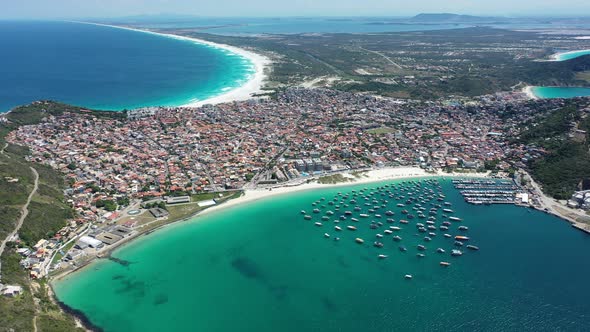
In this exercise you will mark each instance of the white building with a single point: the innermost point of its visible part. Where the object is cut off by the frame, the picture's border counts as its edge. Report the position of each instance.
(87, 241)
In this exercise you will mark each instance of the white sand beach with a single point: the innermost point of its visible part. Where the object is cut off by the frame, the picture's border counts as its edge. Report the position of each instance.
(254, 84)
(375, 175)
(528, 90)
(559, 56)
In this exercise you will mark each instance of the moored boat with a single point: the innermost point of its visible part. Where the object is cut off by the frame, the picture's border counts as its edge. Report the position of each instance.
(352, 228)
(359, 240)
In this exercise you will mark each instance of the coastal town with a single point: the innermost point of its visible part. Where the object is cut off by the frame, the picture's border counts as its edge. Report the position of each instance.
(124, 174)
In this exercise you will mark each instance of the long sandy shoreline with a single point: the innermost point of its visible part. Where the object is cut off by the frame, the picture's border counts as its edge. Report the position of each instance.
(254, 84)
(371, 176)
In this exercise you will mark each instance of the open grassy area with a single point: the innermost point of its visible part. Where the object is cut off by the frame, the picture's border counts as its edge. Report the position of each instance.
(333, 179)
(380, 131)
(583, 76)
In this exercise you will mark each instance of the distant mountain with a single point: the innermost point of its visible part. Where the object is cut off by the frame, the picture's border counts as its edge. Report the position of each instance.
(454, 18)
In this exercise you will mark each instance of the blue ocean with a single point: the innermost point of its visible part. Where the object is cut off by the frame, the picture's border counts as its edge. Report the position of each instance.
(108, 68)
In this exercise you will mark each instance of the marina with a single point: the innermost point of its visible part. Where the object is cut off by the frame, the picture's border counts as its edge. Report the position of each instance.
(489, 191)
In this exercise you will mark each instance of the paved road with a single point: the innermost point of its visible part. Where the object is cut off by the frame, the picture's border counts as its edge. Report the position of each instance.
(24, 213)
(384, 56)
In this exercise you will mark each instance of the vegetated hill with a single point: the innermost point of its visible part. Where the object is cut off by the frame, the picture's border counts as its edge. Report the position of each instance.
(47, 213)
(568, 161)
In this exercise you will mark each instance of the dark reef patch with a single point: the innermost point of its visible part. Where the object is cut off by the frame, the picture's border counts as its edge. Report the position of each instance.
(247, 267)
(160, 299)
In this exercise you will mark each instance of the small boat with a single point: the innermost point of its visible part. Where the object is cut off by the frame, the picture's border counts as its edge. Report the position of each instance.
(456, 252)
(352, 228)
(337, 228)
(326, 235)
(448, 210)
(389, 213)
(390, 220)
(440, 250)
(427, 239)
(382, 256)
(443, 228)
(377, 244)
(388, 231)
(359, 240)
(454, 219)
(403, 221)
(461, 238)
(379, 236)
(431, 227)
(408, 276)
(373, 226)
(325, 218)
(336, 239)
(419, 225)
(354, 219)
(316, 210)
(472, 247)
(420, 255)
(319, 224)
(447, 235)
(421, 247)
(445, 264)
(363, 215)
(395, 228)
(348, 213)
(422, 230)
(377, 216)
(303, 212)
(458, 243)
(307, 217)
(397, 238)
(403, 249)
(405, 211)
(463, 228)
(431, 234)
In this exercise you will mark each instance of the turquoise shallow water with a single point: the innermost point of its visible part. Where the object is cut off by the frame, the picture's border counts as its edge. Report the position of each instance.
(560, 92)
(572, 55)
(262, 267)
(108, 68)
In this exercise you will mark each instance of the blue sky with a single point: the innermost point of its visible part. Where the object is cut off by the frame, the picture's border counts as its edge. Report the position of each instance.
(114, 8)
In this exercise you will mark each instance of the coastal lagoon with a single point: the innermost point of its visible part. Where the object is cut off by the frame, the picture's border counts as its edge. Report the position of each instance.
(110, 69)
(262, 267)
(559, 92)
